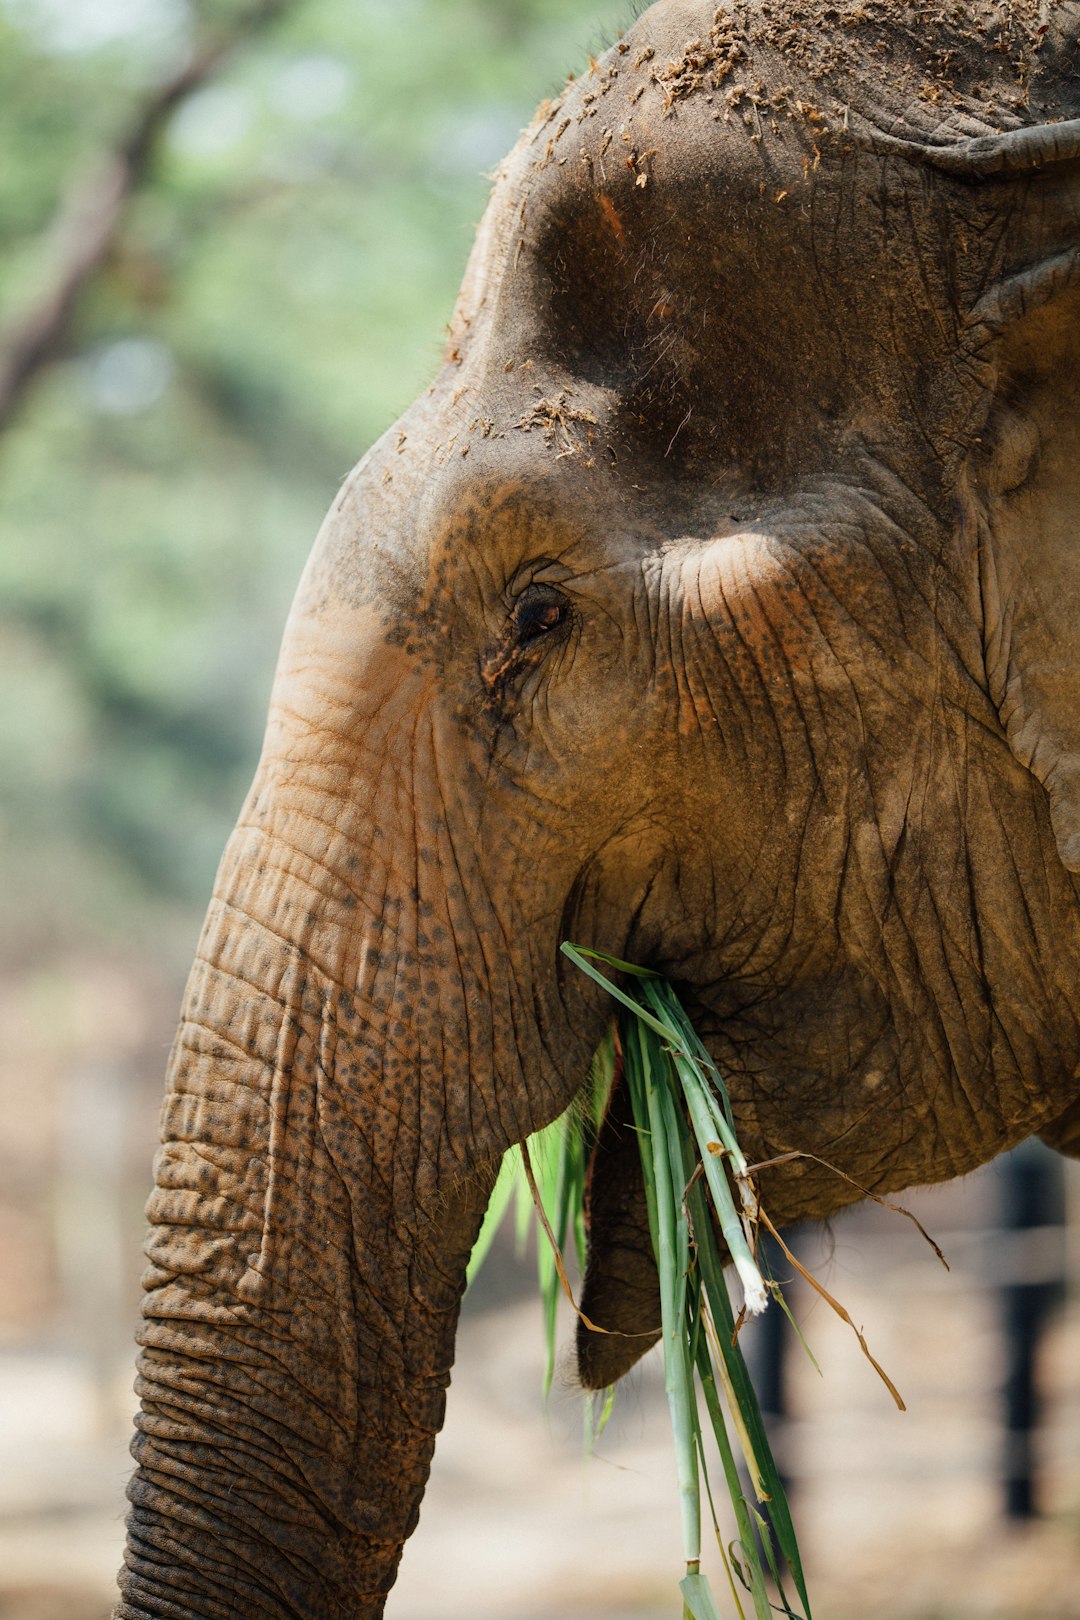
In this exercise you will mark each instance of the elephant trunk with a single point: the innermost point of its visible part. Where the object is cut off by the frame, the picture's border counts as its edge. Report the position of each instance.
(309, 1233)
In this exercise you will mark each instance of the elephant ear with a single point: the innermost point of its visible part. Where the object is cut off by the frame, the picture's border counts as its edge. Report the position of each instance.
(1023, 338)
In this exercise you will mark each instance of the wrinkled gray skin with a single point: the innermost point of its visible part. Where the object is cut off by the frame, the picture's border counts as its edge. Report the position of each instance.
(718, 607)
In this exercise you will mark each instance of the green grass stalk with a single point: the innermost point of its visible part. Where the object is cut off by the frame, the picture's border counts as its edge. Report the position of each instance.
(696, 1182)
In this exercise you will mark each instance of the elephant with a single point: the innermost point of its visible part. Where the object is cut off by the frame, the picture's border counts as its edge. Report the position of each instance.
(717, 608)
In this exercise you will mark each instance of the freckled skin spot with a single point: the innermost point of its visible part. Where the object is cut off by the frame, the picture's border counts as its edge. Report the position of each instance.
(686, 660)
(611, 218)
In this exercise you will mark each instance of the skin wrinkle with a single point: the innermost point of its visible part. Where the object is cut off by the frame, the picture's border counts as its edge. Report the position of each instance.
(230, 1577)
(272, 1063)
(696, 672)
(840, 611)
(472, 1090)
(188, 1210)
(670, 625)
(314, 864)
(691, 676)
(229, 1469)
(703, 627)
(777, 671)
(170, 1599)
(1020, 892)
(762, 600)
(478, 996)
(931, 303)
(966, 1082)
(225, 904)
(194, 1490)
(220, 1040)
(152, 1552)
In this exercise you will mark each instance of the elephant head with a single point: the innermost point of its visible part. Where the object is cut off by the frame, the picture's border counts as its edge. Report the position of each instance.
(717, 606)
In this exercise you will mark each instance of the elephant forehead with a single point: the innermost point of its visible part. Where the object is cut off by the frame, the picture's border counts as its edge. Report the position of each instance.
(697, 283)
(734, 291)
(710, 209)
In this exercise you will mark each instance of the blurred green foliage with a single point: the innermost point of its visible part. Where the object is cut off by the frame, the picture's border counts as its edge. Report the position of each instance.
(275, 296)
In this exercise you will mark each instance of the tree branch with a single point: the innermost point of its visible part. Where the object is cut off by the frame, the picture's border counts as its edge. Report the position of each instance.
(90, 214)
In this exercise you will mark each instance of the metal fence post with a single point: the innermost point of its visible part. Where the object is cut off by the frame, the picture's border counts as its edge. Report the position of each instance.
(1032, 1194)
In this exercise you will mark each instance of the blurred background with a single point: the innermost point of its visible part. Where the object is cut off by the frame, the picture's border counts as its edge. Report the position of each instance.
(230, 237)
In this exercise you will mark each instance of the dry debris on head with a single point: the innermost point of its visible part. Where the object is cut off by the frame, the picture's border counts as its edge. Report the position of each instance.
(705, 63)
(559, 422)
(941, 51)
(960, 56)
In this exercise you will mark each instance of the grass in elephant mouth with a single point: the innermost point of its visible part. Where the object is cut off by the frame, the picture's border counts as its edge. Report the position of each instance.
(696, 1179)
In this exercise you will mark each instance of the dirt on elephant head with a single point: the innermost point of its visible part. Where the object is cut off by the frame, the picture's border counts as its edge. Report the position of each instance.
(976, 61)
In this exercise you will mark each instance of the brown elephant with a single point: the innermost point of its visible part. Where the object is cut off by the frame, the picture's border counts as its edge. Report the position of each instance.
(718, 607)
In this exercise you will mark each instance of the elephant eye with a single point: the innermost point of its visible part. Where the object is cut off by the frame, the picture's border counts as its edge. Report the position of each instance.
(538, 611)
(538, 619)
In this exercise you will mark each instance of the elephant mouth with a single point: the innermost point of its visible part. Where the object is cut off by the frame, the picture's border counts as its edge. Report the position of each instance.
(621, 1292)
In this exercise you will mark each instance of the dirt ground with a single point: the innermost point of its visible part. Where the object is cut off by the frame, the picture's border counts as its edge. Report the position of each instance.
(898, 1514)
